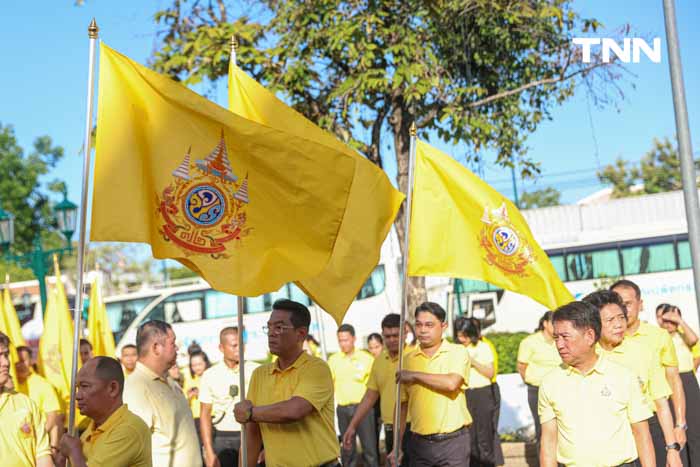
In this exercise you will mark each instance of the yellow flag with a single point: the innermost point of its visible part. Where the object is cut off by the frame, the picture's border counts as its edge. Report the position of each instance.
(371, 210)
(56, 343)
(99, 331)
(5, 329)
(461, 227)
(14, 330)
(246, 206)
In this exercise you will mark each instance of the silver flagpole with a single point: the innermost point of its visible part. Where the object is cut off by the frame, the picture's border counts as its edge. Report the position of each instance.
(404, 298)
(241, 346)
(78, 310)
(685, 151)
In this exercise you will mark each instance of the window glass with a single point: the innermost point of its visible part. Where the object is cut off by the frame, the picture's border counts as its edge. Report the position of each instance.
(558, 263)
(297, 295)
(220, 304)
(121, 314)
(649, 258)
(255, 304)
(463, 286)
(374, 284)
(183, 307)
(157, 312)
(684, 255)
(593, 265)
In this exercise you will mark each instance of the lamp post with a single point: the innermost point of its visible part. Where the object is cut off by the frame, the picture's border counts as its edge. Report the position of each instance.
(38, 259)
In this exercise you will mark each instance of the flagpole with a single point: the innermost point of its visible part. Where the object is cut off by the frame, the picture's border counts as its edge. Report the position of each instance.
(404, 298)
(241, 311)
(77, 312)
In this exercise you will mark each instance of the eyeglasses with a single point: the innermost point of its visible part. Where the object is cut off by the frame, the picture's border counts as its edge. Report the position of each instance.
(276, 330)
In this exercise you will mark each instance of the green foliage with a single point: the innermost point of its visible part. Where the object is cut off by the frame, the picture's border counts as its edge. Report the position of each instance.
(540, 198)
(21, 192)
(658, 171)
(180, 273)
(507, 344)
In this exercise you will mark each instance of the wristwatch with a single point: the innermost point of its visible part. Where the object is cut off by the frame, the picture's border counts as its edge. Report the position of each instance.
(249, 417)
(682, 425)
(675, 446)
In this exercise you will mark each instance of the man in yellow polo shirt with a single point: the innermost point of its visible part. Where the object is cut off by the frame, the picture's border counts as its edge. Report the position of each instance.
(658, 339)
(23, 438)
(128, 359)
(159, 401)
(290, 401)
(433, 381)
(42, 393)
(381, 386)
(645, 365)
(592, 411)
(350, 369)
(115, 437)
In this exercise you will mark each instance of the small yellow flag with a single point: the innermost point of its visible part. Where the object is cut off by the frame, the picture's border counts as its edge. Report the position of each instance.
(246, 206)
(99, 332)
(461, 227)
(13, 330)
(371, 210)
(56, 343)
(5, 329)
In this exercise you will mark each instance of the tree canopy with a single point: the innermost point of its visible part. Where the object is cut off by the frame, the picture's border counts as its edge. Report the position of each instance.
(540, 198)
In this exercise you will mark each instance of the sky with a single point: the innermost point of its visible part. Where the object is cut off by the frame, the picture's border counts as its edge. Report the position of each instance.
(44, 74)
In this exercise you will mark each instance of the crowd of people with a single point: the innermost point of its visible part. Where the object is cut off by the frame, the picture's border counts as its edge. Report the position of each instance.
(604, 389)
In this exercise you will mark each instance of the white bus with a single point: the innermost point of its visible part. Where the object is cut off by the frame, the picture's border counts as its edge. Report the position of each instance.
(642, 238)
(197, 312)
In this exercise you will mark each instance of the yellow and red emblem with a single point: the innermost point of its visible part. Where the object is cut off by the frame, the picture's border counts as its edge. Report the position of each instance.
(204, 208)
(505, 248)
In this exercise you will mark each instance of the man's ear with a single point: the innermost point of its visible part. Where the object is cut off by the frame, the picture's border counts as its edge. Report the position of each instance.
(113, 388)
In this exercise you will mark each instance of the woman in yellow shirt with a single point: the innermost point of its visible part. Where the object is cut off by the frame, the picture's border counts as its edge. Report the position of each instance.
(684, 339)
(199, 362)
(483, 395)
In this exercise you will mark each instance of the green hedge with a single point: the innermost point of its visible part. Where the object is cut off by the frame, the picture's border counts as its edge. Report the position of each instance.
(506, 344)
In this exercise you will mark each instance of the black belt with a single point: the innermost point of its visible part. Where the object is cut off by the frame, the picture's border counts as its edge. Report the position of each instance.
(442, 436)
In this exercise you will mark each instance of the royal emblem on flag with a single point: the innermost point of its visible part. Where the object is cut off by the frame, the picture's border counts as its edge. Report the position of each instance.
(204, 208)
(504, 247)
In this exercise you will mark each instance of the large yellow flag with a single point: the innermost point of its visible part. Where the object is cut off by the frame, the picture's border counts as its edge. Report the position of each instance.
(371, 210)
(99, 331)
(246, 206)
(5, 329)
(56, 343)
(461, 227)
(13, 329)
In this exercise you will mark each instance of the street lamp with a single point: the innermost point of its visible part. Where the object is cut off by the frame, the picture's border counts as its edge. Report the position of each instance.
(38, 259)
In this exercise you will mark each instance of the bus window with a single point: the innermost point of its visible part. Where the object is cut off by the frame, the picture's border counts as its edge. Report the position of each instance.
(558, 263)
(684, 255)
(649, 258)
(593, 264)
(178, 308)
(220, 304)
(121, 314)
(296, 294)
(374, 285)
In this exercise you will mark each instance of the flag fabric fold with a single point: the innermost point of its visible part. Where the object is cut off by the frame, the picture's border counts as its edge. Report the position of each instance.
(247, 206)
(462, 227)
(9, 325)
(99, 331)
(372, 206)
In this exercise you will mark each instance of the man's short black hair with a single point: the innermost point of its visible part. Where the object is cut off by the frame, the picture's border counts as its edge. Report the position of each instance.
(108, 369)
(147, 332)
(129, 346)
(582, 315)
(85, 342)
(433, 308)
(24, 348)
(392, 320)
(300, 315)
(600, 298)
(4, 340)
(347, 328)
(630, 285)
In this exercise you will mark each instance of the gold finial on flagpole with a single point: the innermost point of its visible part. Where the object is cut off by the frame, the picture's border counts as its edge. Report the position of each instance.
(413, 129)
(234, 43)
(93, 29)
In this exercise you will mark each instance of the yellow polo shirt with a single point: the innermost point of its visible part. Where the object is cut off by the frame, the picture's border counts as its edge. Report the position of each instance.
(432, 412)
(350, 375)
(41, 392)
(191, 383)
(123, 440)
(646, 367)
(594, 413)
(488, 342)
(215, 389)
(658, 339)
(382, 379)
(480, 353)
(683, 352)
(696, 350)
(23, 438)
(160, 403)
(308, 442)
(540, 356)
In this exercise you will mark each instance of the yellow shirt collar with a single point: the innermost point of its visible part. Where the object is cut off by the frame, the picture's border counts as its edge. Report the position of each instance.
(300, 361)
(112, 420)
(150, 373)
(444, 347)
(600, 367)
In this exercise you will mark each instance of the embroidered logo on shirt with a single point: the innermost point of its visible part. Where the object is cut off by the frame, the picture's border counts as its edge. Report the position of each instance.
(26, 429)
(605, 392)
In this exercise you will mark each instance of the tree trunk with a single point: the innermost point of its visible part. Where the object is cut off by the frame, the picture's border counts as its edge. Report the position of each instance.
(401, 123)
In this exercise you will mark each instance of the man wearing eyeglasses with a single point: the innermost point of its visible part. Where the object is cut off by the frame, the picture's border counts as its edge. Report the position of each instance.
(290, 401)
(218, 393)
